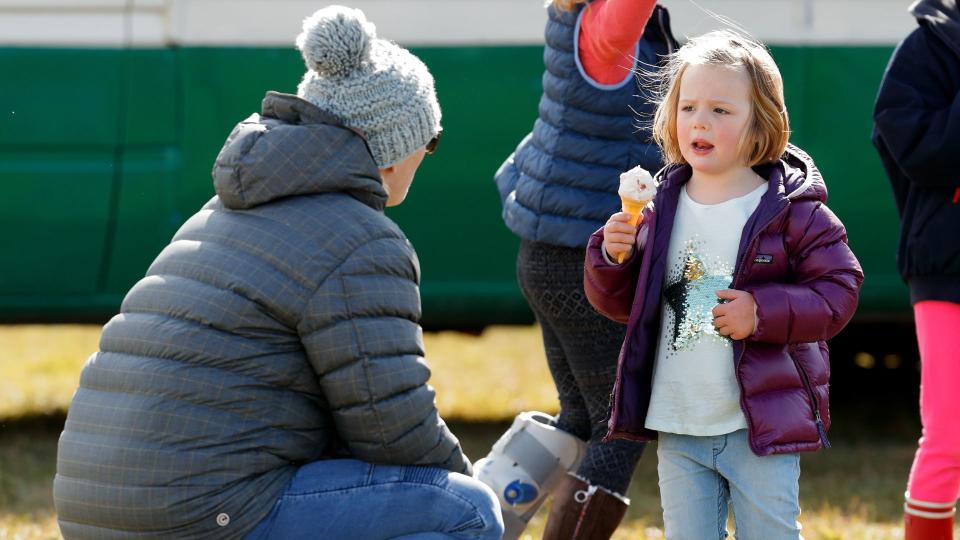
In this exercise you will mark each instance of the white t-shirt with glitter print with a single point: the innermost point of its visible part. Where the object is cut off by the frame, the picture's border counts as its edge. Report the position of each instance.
(695, 390)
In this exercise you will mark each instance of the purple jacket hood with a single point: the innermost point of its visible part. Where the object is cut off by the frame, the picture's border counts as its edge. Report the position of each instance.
(793, 258)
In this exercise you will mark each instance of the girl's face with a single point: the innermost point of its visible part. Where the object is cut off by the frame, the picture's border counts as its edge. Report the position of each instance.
(713, 110)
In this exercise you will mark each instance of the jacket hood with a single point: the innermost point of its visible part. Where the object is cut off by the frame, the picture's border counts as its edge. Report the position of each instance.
(294, 148)
(942, 17)
(795, 176)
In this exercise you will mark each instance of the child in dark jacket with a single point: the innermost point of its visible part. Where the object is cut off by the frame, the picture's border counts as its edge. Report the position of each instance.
(737, 275)
(918, 137)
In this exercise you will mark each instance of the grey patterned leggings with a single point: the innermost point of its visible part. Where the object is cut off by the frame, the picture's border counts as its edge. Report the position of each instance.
(582, 348)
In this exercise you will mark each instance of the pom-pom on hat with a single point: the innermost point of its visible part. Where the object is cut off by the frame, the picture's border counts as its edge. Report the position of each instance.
(371, 84)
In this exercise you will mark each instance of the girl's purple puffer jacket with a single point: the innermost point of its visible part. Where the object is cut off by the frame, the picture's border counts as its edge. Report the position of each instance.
(793, 258)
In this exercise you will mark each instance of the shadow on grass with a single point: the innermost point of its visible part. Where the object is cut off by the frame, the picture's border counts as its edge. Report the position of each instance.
(52, 421)
(28, 452)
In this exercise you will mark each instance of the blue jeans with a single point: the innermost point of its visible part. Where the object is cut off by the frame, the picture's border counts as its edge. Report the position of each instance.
(346, 498)
(700, 476)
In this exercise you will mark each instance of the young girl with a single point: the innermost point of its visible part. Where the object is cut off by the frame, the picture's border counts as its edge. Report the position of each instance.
(737, 276)
(557, 188)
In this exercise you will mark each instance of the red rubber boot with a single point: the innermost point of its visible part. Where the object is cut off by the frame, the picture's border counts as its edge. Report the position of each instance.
(927, 521)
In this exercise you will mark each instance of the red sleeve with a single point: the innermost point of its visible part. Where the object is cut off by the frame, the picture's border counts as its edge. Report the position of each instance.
(608, 33)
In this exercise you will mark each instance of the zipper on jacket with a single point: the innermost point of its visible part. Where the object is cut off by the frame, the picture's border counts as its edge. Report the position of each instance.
(821, 430)
(614, 403)
(739, 267)
(666, 31)
(667, 36)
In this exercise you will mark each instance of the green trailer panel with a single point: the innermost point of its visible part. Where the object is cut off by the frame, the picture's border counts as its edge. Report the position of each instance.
(104, 153)
(830, 94)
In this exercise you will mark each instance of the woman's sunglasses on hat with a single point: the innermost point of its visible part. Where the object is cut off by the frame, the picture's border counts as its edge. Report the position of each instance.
(432, 145)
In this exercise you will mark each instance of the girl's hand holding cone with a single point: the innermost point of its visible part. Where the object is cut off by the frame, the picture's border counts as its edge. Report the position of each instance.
(620, 235)
(636, 189)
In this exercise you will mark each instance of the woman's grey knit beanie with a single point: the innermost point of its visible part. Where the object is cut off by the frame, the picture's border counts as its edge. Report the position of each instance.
(371, 84)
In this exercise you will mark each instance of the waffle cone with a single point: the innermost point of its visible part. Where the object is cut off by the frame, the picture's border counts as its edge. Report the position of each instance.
(633, 207)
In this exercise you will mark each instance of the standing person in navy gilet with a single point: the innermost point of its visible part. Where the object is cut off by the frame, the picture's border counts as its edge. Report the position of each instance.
(557, 188)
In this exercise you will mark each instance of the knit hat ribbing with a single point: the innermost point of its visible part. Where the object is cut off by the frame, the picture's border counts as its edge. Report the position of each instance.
(371, 84)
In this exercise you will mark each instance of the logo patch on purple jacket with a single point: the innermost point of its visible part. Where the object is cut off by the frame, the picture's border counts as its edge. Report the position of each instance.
(763, 259)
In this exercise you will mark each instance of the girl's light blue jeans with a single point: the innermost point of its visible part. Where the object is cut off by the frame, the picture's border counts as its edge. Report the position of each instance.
(701, 476)
(346, 498)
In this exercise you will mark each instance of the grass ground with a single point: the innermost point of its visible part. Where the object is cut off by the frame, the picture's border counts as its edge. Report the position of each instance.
(40, 366)
(853, 491)
(28, 451)
(484, 378)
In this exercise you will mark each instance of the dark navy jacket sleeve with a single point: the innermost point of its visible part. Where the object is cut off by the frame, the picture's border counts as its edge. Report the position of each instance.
(917, 112)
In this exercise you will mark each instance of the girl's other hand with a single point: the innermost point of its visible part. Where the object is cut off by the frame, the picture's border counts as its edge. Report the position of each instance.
(737, 317)
(619, 236)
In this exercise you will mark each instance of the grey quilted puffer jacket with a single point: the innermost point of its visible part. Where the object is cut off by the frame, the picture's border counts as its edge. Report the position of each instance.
(279, 327)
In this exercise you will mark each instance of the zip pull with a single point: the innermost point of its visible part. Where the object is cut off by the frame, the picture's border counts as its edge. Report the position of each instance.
(663, 30)
(821, 430)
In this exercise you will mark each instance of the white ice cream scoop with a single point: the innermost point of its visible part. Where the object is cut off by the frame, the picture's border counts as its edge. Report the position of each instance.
(637, 184)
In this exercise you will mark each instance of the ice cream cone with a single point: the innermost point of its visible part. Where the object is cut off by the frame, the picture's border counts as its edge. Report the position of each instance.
(636, 189)
(633, 207)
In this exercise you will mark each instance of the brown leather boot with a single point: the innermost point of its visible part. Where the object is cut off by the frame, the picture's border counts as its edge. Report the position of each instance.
(583, 512)
(601, 515)
(565, 510)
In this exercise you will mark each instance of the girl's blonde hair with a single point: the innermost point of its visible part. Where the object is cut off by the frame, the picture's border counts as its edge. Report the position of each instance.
(567, 5)
(769, 130)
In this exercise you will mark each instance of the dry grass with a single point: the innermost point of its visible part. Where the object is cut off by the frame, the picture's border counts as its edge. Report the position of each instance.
(850, 492)
(40, 366)
(27, 464)
(41, 526)
(492, 376)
